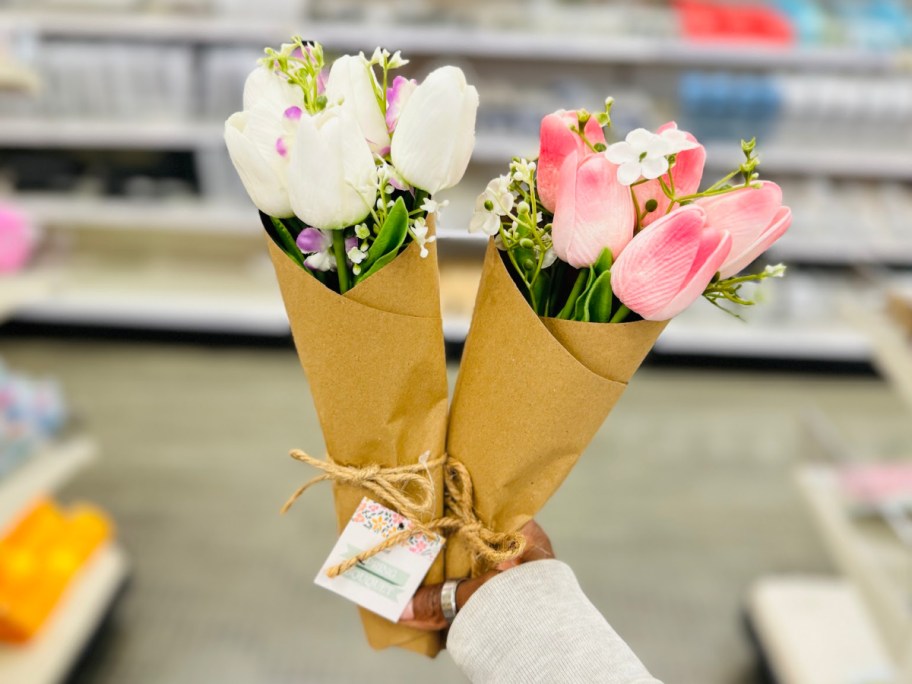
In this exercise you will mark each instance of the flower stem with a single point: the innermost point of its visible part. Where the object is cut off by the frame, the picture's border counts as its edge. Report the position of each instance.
(341, 263)
(567, 311)
(620, 315)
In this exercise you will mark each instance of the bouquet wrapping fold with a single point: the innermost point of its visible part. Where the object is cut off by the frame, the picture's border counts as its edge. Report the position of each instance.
(531, 394)
(375, 361)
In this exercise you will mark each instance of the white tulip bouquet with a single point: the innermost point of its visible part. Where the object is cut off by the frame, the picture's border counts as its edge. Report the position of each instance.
(343, 164)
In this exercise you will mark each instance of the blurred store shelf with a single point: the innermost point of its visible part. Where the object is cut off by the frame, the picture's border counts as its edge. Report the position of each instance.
(15, 77)
(41, 474)
(163, 296)
(842, 252)
(783, 340)
(114, 134)
(891, 348)
(872, 558)
(794, 620)
(49, 658)
(175, 215)
(20, 289)
(432, 40)
(817, 160)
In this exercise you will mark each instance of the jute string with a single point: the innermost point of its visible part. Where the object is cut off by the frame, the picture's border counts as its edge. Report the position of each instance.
(389, 485)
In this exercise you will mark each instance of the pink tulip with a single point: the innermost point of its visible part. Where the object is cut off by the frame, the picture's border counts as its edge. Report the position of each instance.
(558, 141)
(593, 210)
(687, 174)
(754, 217)
(667, 266)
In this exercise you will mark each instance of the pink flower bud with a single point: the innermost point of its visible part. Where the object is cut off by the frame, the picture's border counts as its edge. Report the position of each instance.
(667, 266)
(593, 210)
(396, 97)
(558, 141)
(754, 217)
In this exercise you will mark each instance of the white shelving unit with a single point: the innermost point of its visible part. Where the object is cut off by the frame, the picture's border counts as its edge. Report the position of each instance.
(51, 655)
(244, 303)
(808, 342)
(176, 215)
(522, 44)
(18, 291)
(120, 135)
(817, 631)
(877, 564)
(42, 474)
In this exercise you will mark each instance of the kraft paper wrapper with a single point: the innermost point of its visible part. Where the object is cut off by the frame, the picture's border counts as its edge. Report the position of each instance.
(376, 364)
(531, 394)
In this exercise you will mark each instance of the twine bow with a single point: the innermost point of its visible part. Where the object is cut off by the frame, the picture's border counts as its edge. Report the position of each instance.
(389, 485)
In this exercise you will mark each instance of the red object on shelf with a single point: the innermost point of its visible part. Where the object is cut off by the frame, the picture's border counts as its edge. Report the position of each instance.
(713, 22)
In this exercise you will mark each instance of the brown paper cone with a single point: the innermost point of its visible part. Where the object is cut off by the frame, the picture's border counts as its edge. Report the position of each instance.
(376, 364)
(531, 394)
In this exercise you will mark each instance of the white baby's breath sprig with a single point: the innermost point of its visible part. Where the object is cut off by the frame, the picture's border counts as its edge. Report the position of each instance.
(522, 171)
(356, 255)
(432, 206)
(419, 231)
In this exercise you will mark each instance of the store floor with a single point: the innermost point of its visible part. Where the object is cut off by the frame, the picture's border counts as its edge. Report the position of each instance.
(682, 500)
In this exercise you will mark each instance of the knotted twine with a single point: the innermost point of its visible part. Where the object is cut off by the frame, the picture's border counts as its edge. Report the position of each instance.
(389, 485)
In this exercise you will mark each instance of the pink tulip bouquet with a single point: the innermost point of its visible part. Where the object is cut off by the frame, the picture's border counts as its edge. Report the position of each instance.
(343, 164)
(594, 248)
(607, 234)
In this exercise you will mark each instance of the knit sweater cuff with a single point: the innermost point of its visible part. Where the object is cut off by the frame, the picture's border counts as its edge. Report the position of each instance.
(534, 624)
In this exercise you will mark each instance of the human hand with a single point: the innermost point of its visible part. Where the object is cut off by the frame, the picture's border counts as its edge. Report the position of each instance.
(424, 611)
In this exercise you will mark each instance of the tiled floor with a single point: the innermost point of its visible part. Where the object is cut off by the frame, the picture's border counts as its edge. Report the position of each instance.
(683, 499)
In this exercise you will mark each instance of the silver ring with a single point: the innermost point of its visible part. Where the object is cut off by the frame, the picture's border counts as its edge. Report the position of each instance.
(448, 599)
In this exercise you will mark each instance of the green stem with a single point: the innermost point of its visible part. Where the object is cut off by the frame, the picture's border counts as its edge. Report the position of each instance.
(620, 314)
(640, 215)
(578, 286)
(341, 264)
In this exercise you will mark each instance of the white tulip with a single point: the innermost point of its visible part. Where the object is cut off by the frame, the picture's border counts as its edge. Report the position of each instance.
(435, 135)
(265, 86)
(260, 139)
(352, 83)
(263, 175)
(332, 178)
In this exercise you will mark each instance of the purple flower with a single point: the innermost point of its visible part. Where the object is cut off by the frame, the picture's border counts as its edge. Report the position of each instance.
(396, 97)
(312, 240)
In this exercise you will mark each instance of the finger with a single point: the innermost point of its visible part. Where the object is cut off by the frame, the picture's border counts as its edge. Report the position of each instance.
(425, 612)
(538, 545)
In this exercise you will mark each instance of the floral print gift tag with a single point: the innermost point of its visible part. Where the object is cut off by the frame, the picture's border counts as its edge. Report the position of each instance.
(384, 583)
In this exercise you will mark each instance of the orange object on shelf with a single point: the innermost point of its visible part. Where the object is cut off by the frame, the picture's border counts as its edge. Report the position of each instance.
(39, 559)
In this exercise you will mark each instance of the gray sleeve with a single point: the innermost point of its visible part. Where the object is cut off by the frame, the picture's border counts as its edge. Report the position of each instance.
(533, 623)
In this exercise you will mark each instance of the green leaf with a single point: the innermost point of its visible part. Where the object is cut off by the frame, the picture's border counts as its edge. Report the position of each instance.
(580, 312)
(604, 262)
(566, 313)
(388, 241)
(276, 229)
(598, 301)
